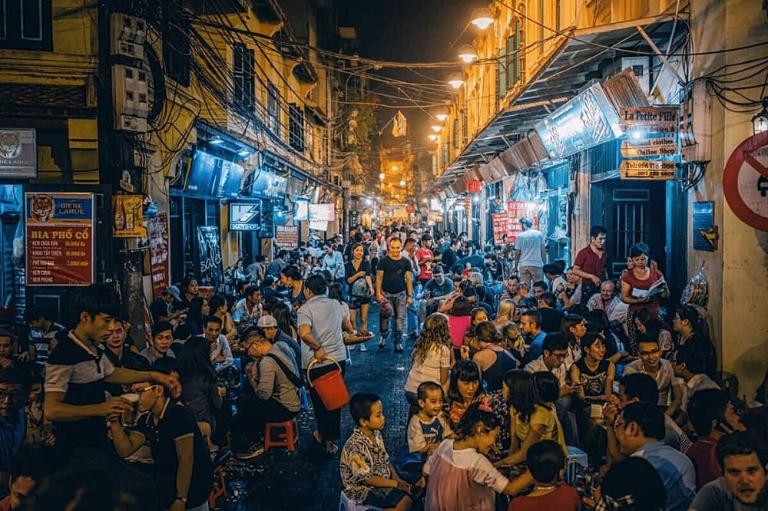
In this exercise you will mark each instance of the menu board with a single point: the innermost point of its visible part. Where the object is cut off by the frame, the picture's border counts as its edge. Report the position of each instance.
(287, 236)
(59, 238)
(502, 224)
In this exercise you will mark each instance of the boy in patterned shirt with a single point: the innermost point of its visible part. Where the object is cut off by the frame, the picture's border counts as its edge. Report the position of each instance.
(367, 476)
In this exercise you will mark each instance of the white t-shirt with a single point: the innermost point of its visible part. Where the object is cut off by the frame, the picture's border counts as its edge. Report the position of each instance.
(665, 378)
(437, 358)
(538, 365)
(529, 244)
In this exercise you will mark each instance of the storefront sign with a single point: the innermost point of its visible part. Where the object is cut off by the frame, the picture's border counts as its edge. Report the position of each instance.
(245, 216)
(583, 122)
(662, 146)
(18, 153)
(653, 116)
(318, 225)
(59, 234)
(159, 259)
(128, 213)
(287, 236)
(209, 244)
(322, 212)
(648, 169)
(745, 181)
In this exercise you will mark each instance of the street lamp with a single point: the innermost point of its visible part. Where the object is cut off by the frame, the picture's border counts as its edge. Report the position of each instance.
(402, 183)
(394, 168)
(382, 176)
(432, 137)
(437, 129)
(482, 18)
(442, 114)
(456, 80)
(467, 54)
(760, 121)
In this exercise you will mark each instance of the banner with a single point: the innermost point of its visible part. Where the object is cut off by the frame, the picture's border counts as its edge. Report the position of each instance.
(502, 225)
(18, 153)
(128, 220)
(209, 242)
(287, 236)
(160, 263)
(59, 238)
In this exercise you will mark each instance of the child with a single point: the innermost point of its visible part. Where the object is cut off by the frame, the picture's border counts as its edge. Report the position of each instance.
(366, 474)
(546, 463)
(428, 428)
(459, 474)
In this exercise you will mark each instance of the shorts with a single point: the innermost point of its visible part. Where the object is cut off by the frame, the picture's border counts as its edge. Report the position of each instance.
(356, 302)
(384, 497)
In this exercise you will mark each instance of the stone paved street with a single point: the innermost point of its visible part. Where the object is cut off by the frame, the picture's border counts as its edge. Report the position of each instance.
(308, 480)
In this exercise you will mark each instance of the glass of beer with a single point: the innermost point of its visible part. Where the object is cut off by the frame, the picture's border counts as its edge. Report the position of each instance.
(129, 418)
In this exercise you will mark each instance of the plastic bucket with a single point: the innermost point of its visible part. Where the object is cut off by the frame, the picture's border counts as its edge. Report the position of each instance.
(330, 387)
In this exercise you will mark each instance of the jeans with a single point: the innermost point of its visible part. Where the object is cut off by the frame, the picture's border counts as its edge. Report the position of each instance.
(412, 313)
(398, 305)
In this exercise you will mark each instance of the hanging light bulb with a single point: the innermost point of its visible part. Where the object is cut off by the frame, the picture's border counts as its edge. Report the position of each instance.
(437, 129)
(482, 18)
(382, 176)
(467, 54)
(432, 137)
(760, 121)
(402, 183)
(441, 114)
(456, 80)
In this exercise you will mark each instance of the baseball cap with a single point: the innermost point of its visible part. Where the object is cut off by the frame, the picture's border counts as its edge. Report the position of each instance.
(267, 322)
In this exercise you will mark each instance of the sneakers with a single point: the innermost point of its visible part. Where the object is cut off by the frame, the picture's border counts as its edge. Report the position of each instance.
(252, 452)
(398, 348)
(382, 344)
(363, 348)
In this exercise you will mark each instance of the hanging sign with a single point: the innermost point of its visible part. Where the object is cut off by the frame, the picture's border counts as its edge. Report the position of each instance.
(648, 169)
(160, 263)
(745, 181)
(662, 146)
(59, 238)
(128, 220)
(210, 255)
(287, 236)
(18, 153)
(653, 116)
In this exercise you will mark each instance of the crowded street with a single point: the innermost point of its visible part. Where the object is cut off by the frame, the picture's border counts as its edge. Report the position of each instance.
(384, 255)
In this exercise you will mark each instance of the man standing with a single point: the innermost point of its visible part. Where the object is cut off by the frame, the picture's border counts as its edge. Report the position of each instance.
(394, 283)
(76, 373)
(530, 253)
(320, 321)
(591, 260)
(425, 258)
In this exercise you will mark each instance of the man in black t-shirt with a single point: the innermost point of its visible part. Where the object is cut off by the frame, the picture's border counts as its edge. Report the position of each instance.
(394, 283)
(184, 471)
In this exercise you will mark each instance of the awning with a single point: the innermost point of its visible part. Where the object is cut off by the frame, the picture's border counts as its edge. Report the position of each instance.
(574, 63)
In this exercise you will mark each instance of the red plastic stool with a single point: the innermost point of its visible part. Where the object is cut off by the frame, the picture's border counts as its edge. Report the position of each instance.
(219, 487)
(286, 435)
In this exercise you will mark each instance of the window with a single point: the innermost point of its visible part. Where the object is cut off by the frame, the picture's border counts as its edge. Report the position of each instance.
(296, 127)
(176, 55)
(455, 133)
(242, 75)
(273, 109)
(26, 25)
(464, 127)
(512, 59)
(557, 15)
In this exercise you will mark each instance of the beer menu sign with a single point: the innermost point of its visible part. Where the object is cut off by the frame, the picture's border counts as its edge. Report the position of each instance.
(59, 238)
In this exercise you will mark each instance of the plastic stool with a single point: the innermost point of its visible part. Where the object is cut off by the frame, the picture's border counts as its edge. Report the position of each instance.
(219, 487)
(286, 435)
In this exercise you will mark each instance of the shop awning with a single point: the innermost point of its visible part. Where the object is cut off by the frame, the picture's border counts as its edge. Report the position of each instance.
(575, 62)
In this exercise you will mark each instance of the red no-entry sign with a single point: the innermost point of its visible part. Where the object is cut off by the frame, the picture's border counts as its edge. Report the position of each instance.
(745, 181)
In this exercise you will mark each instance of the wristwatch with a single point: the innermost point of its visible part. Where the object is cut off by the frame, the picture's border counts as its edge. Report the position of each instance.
(182, 499)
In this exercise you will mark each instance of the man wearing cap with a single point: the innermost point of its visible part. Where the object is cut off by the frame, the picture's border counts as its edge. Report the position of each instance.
(289, 345)
(530, 253)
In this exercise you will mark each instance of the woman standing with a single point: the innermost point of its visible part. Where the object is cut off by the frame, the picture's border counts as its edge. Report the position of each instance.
(358, 273)
(290, 277)
(432, 356)
(642, 287)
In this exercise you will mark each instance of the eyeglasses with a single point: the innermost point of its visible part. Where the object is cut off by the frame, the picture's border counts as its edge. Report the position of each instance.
(11, 396)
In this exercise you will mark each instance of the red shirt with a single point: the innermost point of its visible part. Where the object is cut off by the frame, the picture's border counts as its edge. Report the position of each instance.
(635, 283)
(564, 498)
(704, 458)
(588, 261)
(425, 268)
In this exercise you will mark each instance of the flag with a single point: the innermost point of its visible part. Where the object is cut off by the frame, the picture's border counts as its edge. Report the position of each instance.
(399, 125)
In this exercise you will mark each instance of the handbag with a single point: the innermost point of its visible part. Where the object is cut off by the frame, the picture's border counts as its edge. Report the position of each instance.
(360, 289)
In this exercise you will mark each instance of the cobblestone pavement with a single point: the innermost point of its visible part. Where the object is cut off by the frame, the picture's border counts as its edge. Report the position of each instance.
(308, 480)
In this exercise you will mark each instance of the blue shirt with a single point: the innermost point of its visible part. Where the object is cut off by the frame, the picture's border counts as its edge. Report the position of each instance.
(12, 434)
(676, 471)
(536, 349)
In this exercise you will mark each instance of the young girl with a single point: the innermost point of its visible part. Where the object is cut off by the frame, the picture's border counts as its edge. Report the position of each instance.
(532, 412)
(460, 476)
(464, 389)
(432, 356)
(593, 373)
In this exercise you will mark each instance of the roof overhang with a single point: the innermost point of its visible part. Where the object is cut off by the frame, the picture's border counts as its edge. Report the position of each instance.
(570, 66)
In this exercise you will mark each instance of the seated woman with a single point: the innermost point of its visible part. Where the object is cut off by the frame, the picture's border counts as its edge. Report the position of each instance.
(478, 315)
(493, 360)
(200, 394)
(459, 474)
(464, 389)
(531, 399)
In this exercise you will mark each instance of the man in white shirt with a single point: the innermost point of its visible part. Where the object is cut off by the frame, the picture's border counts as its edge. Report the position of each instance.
(530, 253)
(553, 361)
(607, 300)
(333, 262)
(690, 365)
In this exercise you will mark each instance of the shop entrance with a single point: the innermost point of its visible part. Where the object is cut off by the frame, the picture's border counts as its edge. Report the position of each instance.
(632, 212)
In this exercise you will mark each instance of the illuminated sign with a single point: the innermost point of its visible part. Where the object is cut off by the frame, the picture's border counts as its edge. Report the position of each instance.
(245, 216)
(583, 122)
(322, 213)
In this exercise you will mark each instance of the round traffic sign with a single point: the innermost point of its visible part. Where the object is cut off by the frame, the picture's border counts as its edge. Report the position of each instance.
(745, 181)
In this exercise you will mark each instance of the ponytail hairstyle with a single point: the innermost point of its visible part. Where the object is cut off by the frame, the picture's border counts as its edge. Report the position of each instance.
(478, 416)
(486, 332)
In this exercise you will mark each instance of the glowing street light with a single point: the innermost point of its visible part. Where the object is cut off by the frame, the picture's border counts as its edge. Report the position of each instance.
(402, 183)
(467, 54)
(432, 137)
(442, 114)
(437, 129)
(456, 81)
(760, 121)
(482, 18)
(382, 176)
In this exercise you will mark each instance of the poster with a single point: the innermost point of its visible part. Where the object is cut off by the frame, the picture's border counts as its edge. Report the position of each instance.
(517, 210)
(59, 238)
(211, 272)
(287, 236)
(18, 153)
(128, 219)
(502, 224)
(160, 263)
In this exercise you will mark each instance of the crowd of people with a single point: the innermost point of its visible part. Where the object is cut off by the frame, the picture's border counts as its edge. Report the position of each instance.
(532, 384)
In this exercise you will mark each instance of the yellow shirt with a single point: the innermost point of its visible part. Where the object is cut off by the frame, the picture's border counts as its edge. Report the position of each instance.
(544, 415)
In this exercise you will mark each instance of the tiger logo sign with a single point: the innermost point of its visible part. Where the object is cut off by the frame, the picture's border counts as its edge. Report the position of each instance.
(41, 208)
(10, 144)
